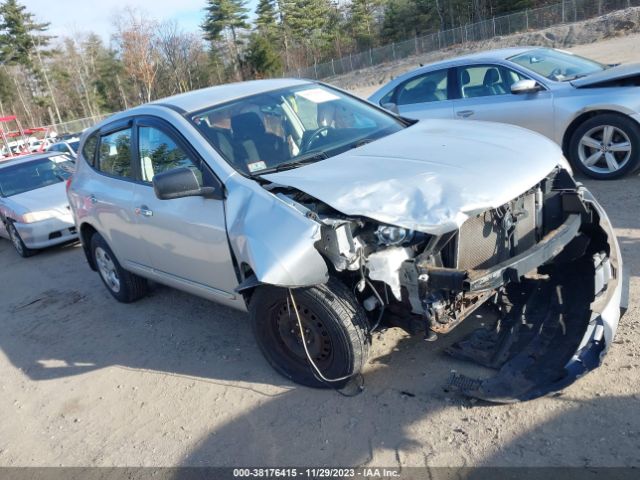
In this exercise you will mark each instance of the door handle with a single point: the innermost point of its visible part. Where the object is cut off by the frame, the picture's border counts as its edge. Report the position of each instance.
(465, 113)
(144, 211)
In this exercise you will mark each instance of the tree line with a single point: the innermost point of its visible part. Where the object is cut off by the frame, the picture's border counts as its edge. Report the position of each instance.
(47, 80)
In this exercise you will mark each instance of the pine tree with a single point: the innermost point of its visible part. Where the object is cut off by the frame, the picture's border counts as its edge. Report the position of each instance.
(225, 17)
(262, 58)
(308, 21)
(22, 43)
(20, 35)
(266, 21)
(363, 15)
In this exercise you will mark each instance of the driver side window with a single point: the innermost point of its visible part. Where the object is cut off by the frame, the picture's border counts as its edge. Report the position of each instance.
(159, 153)
(486, 80)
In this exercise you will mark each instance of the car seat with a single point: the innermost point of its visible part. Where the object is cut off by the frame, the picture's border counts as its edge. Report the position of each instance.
(254, 143)
(492, 82)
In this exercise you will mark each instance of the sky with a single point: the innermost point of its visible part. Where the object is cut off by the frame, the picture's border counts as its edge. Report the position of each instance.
(75, 16)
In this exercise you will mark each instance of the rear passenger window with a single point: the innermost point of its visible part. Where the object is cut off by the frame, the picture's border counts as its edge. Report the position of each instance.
(430, 87)
(114, 157)
(159, 153)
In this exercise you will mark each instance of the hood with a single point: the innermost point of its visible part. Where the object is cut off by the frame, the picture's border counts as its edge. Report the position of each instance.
(429, 177)
(604, 78)
(51, 197)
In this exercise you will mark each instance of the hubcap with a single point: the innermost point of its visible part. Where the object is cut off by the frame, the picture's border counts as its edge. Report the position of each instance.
(315, 334)
(604, 149)
(107, 269)
(15, 239)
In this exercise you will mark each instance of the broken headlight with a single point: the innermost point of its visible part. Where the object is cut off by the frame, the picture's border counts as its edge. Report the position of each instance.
(389, 235)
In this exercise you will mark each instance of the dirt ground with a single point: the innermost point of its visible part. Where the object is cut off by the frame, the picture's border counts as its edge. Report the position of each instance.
(176, 380)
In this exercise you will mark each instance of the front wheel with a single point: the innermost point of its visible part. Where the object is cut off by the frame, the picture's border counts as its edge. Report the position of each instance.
(334, 326)
(606, 146)
(123, 285)
(17, 242)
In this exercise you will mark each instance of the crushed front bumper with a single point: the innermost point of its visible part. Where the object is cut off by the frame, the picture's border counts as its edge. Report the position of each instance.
(561, 348)
(47, 233)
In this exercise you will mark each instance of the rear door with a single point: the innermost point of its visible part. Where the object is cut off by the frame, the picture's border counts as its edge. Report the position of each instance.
(107, 193)
(185, 238)
(427, 95)
(484, 93)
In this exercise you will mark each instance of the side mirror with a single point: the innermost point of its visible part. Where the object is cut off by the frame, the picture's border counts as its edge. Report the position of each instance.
(182, 182)
(525, 86)
(392, 107)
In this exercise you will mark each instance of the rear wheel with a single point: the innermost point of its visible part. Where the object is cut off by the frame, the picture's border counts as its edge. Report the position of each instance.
(606, 146)
(17, 242)
(123, 285)
(334, 326)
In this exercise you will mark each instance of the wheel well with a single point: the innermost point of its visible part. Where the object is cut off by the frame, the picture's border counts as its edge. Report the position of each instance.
(86, 232)
(579, 120)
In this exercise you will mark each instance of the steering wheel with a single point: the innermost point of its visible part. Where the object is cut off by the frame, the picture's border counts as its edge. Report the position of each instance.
(315, 136)
(556, 73)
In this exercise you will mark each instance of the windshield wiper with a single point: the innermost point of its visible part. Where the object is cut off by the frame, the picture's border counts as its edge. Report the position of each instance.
(295, 163)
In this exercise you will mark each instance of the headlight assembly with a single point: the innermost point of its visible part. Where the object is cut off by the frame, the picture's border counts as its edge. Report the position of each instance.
(31, 217)
(389, 235)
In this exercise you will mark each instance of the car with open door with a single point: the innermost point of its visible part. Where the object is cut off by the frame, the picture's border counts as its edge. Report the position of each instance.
(590, 109)
(325, 217)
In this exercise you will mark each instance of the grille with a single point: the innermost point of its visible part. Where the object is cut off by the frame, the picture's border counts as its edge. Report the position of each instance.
(488, 239)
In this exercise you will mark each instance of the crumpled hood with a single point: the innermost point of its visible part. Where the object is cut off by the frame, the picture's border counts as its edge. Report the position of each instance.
(620, 72)
(431, 176)
(51, 197)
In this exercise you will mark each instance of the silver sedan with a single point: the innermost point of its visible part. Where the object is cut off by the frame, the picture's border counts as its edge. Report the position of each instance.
(34, 211)
(591, 110)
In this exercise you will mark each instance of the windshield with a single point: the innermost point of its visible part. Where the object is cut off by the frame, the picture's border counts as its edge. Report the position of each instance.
(556, 65)
(74, 145)
(288, 127)
(28, 176)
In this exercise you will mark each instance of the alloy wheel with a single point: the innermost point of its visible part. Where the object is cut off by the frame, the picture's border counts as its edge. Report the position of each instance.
(15, 239)
(107, 269)
(604, 149)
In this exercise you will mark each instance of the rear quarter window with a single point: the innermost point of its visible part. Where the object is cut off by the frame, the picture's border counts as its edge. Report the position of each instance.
(89, 149)
(114, 155)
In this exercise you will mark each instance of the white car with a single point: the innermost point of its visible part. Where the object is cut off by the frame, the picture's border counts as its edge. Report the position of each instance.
(69, 147)
(34, 211)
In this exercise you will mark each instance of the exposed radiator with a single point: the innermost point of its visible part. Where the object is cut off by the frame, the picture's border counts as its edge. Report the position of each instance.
(496, 235)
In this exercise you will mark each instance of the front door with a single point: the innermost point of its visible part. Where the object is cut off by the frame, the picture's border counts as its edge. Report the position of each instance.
(185, 238)
(485, 94)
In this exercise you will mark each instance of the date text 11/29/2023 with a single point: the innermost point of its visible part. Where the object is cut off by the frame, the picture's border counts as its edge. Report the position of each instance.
(320, 472)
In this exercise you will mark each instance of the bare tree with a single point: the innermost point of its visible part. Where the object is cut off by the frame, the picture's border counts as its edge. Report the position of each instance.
(137, 43)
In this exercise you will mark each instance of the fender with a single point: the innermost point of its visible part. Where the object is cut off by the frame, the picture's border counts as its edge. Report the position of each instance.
(274, 239)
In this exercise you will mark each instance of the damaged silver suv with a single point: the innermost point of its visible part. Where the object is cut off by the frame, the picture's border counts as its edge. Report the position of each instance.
(326, 217)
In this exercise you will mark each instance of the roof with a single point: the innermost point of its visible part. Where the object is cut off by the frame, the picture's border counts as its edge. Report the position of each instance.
(206, 97)
(498, 54)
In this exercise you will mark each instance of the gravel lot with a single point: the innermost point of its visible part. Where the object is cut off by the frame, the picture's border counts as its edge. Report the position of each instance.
(175, 380)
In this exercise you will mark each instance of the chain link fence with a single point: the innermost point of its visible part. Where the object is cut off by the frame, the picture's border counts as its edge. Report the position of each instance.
(568, 11)
(78, 125)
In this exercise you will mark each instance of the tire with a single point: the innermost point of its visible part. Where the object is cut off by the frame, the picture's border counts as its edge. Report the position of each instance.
(125, 286)
(336, 329)
(592, 154)
(17, 242)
